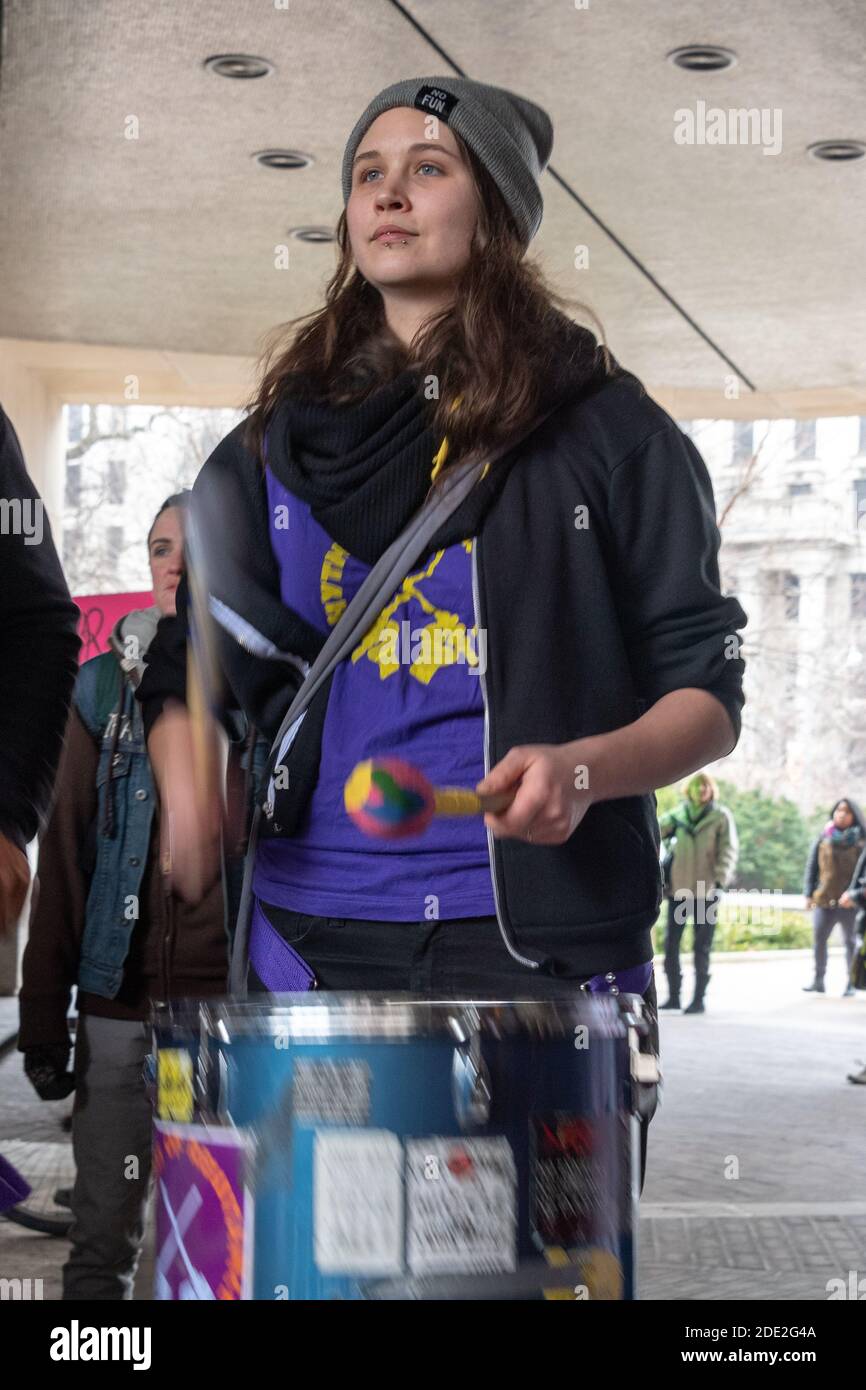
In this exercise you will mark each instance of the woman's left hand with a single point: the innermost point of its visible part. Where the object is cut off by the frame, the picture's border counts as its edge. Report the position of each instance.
(547, 806)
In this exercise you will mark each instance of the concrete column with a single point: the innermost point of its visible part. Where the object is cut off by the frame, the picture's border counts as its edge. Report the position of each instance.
(37, 415)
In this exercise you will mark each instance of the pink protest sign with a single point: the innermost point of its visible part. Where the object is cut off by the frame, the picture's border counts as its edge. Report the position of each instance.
(99, 613)
(204, 1213)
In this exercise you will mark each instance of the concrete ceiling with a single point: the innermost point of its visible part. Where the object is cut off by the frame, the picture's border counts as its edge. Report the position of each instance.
(167, 241)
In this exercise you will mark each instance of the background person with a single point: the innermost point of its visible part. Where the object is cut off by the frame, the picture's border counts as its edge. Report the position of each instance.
(705, 851)
(830, 869)
(855, 895)
(102, 920)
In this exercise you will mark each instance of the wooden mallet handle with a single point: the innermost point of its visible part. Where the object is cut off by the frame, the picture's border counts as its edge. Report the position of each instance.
(460, 801)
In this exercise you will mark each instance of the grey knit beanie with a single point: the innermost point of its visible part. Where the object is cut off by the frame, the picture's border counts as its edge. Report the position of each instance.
(511, 136)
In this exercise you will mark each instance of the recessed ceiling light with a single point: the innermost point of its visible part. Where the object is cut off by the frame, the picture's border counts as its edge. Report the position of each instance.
(838, 151)
(238, 65)
(283, 159)
(312, 234)
(702, 57)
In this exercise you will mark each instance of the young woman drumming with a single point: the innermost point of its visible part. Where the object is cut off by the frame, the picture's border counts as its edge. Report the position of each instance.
(597, 660)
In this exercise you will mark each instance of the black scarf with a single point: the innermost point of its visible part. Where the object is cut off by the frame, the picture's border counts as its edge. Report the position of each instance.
(365, 469)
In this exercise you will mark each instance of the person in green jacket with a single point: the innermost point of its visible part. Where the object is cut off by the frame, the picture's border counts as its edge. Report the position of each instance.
(703, 837)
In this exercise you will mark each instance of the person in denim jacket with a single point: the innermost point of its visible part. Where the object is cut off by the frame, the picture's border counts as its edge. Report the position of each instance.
(102, 920)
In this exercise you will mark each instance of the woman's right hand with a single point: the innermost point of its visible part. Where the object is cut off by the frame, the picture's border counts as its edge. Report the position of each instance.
(191, 806)
(809, 903)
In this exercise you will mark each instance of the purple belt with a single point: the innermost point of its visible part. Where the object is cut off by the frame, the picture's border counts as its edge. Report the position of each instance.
(635, 980)
(277, 964)
(283, 971)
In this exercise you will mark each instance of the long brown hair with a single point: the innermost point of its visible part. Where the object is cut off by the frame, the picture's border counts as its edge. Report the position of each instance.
(494, 347)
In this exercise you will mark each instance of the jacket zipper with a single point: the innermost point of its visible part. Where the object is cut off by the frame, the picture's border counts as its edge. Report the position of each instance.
(491, 843)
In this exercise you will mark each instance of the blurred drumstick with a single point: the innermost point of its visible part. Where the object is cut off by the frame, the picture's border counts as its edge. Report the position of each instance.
(204, 678)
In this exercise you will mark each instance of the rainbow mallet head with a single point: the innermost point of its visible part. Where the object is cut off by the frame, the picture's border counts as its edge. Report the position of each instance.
(388, 798)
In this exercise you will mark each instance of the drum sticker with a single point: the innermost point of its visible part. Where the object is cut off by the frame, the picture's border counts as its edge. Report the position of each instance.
(174, 1093)
(461, 1204)
(331, 1092)
(204, 1213)
(564, 1194)
(358, 1202)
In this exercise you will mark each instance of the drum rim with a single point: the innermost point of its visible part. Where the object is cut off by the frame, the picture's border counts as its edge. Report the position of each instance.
(391, 1016)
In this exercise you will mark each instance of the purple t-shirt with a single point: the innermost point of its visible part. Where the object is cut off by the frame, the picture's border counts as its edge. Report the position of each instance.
(409, 689)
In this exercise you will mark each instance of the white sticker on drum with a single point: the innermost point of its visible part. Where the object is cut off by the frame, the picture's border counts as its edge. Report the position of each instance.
(358, 1202)
(461, 1204)
(331, 1092)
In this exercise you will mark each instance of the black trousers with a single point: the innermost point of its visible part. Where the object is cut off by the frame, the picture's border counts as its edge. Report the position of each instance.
(459, 958)
(704, 932)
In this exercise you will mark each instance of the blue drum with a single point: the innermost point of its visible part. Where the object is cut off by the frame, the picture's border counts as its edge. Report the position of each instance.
(395, 1148)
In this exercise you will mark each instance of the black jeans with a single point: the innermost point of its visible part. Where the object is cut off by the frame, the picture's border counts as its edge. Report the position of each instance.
(459, 958)
(824, 920)
(704, 932)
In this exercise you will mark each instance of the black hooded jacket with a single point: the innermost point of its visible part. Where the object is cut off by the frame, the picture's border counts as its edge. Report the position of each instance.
(596, 578)
(38, 649)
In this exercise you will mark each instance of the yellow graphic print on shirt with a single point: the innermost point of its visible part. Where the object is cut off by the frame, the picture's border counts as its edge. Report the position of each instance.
(330, 583)
(443, 641)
